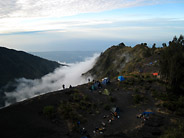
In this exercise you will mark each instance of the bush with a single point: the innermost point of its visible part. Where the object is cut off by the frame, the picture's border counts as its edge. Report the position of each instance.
(175, 132)
(173, 103)
(136, 89)
(137, 99)
(107, 107)
(48, 111)
(112, 99)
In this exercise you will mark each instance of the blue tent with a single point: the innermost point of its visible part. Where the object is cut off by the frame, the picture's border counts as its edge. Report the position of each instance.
(105, 81)
(121, 78)
(147, 113)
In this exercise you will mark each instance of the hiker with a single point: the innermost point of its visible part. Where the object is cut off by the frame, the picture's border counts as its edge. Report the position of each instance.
(99, 84)
(112, 118)
(96, 129)
(83, 131)
(115, 114)
(63, 86)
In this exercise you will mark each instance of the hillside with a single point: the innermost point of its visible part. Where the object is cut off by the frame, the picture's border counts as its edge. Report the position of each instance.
(17, 64)
(55, 115)
(121, 59)
(140, 106)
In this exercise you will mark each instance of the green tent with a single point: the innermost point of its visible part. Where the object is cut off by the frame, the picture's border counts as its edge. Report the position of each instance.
(106, 92)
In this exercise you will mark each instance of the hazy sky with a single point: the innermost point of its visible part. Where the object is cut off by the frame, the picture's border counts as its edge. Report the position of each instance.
(51, 25)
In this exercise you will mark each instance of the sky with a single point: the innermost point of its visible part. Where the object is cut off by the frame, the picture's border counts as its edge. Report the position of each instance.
(88, 25)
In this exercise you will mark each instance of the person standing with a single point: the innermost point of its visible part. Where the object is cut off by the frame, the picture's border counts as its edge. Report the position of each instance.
(63, 86)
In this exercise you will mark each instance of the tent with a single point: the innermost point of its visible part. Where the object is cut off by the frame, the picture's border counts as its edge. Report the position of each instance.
(147, 113)
(93, 87)
(155, 74)
(105, 81)
(121, 78)
(106, 92)
(115, 109)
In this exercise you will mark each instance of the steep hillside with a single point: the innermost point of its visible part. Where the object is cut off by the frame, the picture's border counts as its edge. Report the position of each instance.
(122, 59)
(17, 64)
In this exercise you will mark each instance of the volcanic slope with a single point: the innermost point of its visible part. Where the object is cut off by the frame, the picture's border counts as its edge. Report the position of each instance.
(121, 59)
(57, 114)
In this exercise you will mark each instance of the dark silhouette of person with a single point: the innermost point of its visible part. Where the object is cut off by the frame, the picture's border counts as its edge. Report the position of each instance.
(63, 86)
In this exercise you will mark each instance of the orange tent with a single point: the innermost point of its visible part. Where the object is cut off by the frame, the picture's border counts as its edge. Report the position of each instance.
(155, 74)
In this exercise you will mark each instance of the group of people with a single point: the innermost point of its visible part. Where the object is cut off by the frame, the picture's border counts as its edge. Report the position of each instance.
(96, 85)
(113, 116)
(99, 130)
(144, 115)
(64, 86)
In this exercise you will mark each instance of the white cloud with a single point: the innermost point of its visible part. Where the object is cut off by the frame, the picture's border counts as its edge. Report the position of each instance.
(58, 8)
(41, 15)
(71, 75)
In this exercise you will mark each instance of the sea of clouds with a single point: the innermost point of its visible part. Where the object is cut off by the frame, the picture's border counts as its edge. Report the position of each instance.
(67, 75)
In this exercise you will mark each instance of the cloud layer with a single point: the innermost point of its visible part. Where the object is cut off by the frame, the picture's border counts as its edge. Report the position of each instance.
(31, 23)
(71, 75)
(43, 15)
(58, 8)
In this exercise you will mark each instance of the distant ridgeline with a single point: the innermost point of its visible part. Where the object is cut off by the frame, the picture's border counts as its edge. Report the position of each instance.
(18, 64)
(122, 59)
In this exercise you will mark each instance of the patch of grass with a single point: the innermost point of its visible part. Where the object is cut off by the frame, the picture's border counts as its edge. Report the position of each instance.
(107, 107)
(138, 99)
(171, 102)
(176, 131)
(76, 108)
(147, 87)
(49, 111)
(112, 99)
(136, 90)
(176, 106)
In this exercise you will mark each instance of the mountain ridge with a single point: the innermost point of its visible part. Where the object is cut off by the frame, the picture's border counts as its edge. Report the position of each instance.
(142, 105)
(18, 64)
(121, 59)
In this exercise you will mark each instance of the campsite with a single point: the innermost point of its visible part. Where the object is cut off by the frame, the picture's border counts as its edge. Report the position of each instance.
(134, 98)
(59, 113)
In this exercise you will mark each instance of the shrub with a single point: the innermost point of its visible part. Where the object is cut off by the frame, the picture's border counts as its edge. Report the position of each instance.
(48, 111)
(137, 99)
(107, 107)
(174, 132)
(136, 89)
(112, 99)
